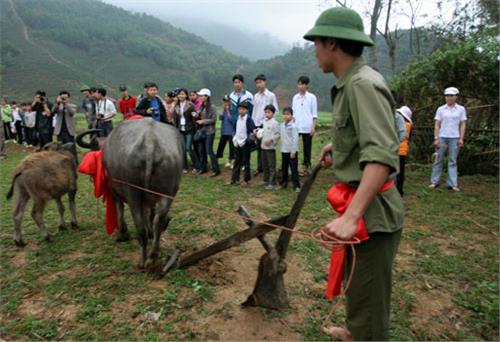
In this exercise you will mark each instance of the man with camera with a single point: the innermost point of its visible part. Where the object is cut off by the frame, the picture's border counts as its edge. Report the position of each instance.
(152, 105)
(65, 119)
(43, 125)
(105, 111)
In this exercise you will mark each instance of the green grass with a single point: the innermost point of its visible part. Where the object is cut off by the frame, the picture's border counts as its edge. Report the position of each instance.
(85, 286)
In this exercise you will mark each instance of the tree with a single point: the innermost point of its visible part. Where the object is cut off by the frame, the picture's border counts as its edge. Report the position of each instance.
(390, 37)
(375, 15)
(415, 6)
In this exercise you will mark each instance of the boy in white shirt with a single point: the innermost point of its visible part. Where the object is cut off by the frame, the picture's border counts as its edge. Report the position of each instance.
(305, 112)
(289, 135)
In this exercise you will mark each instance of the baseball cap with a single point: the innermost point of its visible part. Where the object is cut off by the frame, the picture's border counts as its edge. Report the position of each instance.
(205, 92)
(451, 91)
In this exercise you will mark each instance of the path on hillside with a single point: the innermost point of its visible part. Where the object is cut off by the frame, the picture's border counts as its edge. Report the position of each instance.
(47, 51)
(27, 38)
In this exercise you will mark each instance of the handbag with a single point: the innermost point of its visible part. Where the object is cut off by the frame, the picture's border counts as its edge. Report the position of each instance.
(200, 135)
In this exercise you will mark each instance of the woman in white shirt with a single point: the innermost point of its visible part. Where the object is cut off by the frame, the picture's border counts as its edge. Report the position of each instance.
(449, 131)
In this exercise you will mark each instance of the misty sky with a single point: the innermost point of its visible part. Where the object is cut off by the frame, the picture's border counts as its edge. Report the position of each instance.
(287, 20)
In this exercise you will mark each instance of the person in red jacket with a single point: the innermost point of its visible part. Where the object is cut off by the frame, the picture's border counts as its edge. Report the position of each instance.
(127, 103)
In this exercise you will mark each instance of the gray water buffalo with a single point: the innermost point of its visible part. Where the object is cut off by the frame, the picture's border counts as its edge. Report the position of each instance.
(43, 176)
(148, 154)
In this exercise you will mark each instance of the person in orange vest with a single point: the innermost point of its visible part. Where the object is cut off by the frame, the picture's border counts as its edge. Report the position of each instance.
(404, 147)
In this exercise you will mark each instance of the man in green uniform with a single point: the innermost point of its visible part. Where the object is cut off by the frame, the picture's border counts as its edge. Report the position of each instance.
(364, 155)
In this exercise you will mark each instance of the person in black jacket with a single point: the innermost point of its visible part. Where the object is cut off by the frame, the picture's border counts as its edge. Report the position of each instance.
(152, 105)
(184, 122)
(43, 124)
(244, 142)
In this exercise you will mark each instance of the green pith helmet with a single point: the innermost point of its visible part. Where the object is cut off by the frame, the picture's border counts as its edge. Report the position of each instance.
(339, 22)
(84, 87)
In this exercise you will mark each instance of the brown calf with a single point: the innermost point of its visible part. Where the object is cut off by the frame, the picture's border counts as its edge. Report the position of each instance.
(43, 176)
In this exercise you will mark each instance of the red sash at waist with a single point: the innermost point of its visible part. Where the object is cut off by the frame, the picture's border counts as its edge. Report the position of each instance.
(340, 196)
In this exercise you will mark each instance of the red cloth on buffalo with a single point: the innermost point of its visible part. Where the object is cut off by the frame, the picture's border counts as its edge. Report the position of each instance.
(340, 196)
(135, 117)
(92, 165)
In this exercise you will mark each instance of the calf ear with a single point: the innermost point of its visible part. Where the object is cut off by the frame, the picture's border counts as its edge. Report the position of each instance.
(68, 146)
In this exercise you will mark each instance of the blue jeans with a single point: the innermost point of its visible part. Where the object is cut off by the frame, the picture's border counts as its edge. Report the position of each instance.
(206, 146)
(452, 144)
(187, 148)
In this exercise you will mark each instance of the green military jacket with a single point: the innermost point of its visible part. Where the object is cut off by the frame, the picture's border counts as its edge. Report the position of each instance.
(364, 131)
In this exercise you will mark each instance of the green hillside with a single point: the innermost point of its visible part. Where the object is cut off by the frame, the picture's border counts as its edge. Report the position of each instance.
(55, 44)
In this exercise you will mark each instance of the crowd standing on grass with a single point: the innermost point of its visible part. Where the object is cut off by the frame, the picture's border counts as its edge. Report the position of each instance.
(34, 124)
(194, 114)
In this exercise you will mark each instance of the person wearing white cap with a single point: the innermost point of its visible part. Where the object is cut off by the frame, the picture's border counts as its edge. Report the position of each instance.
(404, 146)
(206, 123)
(449, 131)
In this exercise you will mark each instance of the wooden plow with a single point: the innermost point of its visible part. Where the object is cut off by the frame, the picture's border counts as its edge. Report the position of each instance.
(269, 291)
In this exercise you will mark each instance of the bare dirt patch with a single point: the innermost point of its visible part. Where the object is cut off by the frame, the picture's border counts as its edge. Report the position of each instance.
(73, 272)
(76, 255)
(235, 273)
(18, 258)
(66, 316)
(435, 313)
(405, 255)
(32, 304)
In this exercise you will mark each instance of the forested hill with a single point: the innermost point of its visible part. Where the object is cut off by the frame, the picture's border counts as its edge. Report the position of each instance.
(64, 44)
(55, 44)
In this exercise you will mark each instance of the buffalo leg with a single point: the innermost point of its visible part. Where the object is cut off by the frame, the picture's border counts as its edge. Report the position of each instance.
(122, 234)
(21, 201)
(72, 208)
(37, 214)
(139, 218)
(161, 211)
(60, 208)
(149, 214)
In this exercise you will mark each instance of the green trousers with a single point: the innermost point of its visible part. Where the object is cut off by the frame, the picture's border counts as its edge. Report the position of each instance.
(369, 296)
